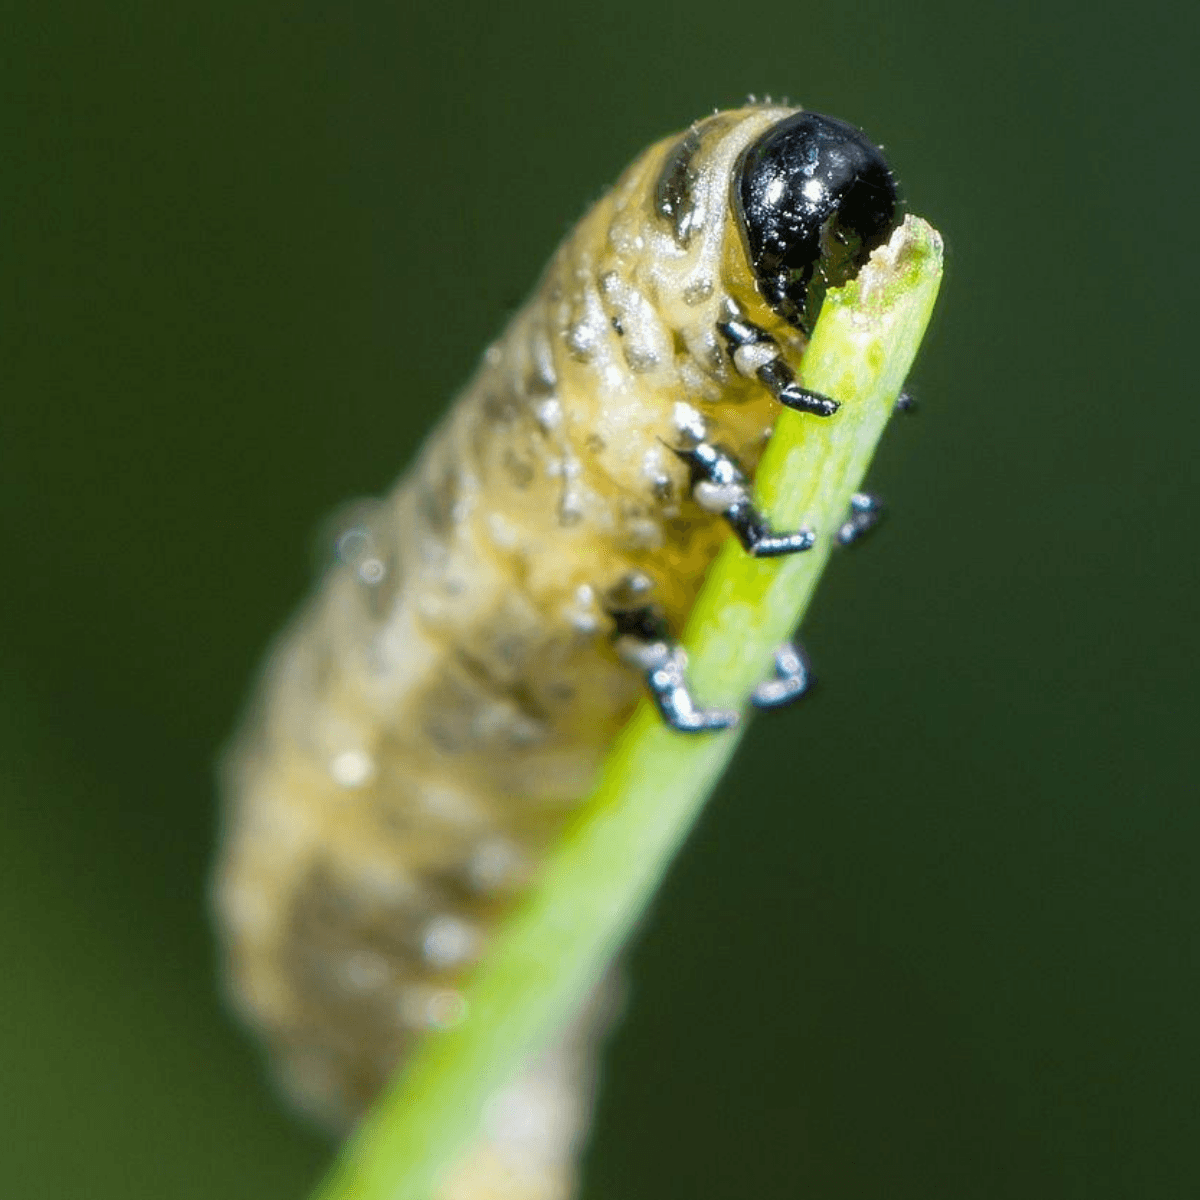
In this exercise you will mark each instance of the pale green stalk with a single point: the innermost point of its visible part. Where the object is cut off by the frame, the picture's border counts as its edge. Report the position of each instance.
(556, 946)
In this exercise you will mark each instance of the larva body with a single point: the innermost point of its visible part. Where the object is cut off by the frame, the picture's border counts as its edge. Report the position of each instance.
(433, 714)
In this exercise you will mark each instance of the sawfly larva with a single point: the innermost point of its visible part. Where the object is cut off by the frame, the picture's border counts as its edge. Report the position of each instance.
(444, 700)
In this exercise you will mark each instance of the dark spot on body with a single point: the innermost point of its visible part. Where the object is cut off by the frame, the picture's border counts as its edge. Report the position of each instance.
(518, 469)
(437, 497)
(512, 689)
(568, 510)
(674, 198)
(501, 408)
(540, 384)
(330, 918)
(640, 360)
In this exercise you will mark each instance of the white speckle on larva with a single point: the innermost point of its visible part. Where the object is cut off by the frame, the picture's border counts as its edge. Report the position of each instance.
(582, 612)
(583, 621)
(352, 768)
(502, 532)
(549, 414)
(371, 571)
(654, 470)
(582, 339)
(449, 941)
(496, 866)
(494, 355)
(688, 421)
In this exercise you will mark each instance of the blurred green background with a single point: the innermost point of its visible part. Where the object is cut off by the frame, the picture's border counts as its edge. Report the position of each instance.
(936, 935)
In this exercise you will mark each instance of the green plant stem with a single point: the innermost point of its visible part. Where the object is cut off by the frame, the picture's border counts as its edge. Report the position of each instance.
(555, 948)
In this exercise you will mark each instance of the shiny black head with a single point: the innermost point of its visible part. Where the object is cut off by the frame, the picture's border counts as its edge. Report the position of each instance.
(814, 197)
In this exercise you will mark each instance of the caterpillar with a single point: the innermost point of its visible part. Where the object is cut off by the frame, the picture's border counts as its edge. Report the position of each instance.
(429, 719)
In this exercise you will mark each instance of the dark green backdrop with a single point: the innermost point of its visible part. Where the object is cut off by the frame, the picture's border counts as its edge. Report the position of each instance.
(935, 936)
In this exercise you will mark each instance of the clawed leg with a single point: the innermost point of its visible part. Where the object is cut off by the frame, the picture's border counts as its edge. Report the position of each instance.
(793, 679)
(758, 539)
(783, 386)
(865, 513)
(756, 353)
(720, 486)
(643, 641)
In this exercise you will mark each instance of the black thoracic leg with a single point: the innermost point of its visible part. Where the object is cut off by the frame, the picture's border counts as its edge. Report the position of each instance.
(781, 383)
(793, 679)
(865, 513)
(756, 353)
(643, 641)
(720, 486)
